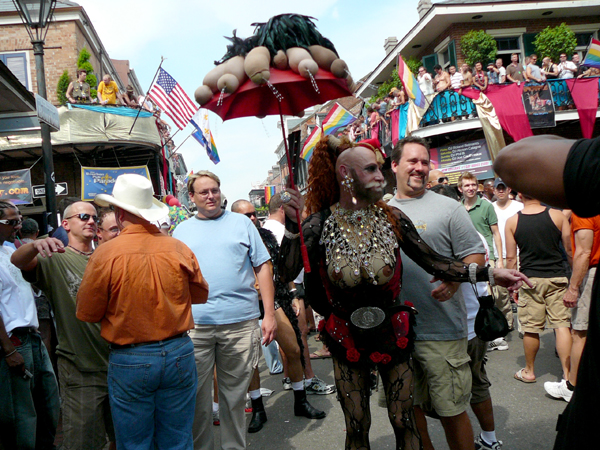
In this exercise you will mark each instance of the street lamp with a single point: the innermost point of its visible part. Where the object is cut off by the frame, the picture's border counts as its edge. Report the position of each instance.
(36, 15)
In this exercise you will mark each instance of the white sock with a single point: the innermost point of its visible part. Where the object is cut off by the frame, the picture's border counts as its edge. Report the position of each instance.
(489, 436)
(254, 394)
(215, 407)
(298, 385)
(307, 381)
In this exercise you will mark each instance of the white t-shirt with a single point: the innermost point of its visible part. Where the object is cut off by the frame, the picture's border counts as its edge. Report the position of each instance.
(275, 227)
(563, 71)
(503, 215)
(426, 84)
(17, 305)
(501, 74)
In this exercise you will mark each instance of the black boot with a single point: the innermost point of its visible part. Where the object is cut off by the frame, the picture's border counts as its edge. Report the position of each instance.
(304, 409)
(259, 416)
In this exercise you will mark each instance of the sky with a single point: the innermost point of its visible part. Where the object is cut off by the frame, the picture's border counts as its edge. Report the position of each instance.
(189, 35)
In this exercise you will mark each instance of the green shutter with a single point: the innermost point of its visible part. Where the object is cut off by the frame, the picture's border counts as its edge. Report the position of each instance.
(429, 61)
(452, 53)
(528, 46)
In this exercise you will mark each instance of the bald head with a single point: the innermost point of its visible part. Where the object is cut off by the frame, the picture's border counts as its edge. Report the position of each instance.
(434, 177)
(246, 208)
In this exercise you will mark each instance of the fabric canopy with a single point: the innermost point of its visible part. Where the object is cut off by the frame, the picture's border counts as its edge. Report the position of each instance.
(585, 95)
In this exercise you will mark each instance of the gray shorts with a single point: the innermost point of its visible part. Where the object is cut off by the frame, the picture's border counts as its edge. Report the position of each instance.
(581, 314)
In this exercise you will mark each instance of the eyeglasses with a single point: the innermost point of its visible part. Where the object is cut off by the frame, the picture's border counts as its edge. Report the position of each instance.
(250, 214)
(11, 222)
(442, 179)
(84, 217)
(208, 192)
(112, 230)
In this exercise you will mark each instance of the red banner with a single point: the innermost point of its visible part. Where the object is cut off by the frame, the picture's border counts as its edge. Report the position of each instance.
(585, 95)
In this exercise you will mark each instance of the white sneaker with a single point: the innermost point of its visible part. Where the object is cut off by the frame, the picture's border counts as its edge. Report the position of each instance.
(480, 444)
(497, 344)
(558, 389)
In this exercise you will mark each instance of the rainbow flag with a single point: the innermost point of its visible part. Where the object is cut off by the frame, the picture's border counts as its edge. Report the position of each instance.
(592, 58)
(310, 144)
(270, 191)
(411, 85)
(338, 117)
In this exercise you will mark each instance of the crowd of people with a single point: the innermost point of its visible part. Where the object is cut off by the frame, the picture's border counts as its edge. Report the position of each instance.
(147, 324)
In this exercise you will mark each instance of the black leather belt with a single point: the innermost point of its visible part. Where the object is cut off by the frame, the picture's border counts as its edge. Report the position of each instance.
(24, 330)
(139, 344)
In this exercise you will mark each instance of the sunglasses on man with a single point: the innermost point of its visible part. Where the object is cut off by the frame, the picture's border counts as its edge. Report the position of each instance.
(11, 222)
(442, 179)
(84, 217)
(250, 214)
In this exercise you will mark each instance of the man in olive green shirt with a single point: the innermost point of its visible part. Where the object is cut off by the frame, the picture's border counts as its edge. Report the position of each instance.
(82, 353)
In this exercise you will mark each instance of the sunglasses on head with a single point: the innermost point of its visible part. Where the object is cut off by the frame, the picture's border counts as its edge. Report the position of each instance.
(250, 214)
(11, 222)
(84, 217)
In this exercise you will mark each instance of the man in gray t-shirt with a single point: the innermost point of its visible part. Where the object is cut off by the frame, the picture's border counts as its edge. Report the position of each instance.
(442, 373)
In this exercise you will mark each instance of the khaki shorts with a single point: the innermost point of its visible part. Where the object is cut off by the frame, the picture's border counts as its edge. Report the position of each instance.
(480, 390)
(581, 314)
(442, 376)
(542, 306)
(87, 421)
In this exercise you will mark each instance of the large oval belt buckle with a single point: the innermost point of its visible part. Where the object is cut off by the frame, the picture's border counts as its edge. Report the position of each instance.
(367, 317)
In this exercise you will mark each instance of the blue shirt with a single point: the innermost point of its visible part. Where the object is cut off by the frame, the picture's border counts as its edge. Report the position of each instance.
(227, 248)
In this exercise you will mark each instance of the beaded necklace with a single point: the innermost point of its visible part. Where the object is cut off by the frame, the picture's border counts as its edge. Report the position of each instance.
(353, 238)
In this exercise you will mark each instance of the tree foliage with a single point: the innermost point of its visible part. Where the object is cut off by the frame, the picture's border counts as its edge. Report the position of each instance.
(61, 88)
(554, 41)
(414, 64)
(83, 62)
(386, 87)
(477, 45)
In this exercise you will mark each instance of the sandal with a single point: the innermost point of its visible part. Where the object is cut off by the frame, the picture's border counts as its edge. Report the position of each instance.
(519, 376)
(320, 354)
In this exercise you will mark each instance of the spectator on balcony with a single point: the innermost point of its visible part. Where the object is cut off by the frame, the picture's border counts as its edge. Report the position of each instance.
(591, 72)
(108, 92)
(398, 96)
(467, 75)
(533, 70)
(441, 80)
(374, 120)
(580, 67)
(496, 72)
(146, 103)
(515, 72)
(566, 69)
(79, 91)
(456, 78)
(480, 79)
(425, 82)
(549, 69)
(129, 98)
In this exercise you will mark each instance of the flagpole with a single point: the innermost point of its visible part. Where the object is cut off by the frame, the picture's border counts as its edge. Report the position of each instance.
(140, 108)
(175, 151)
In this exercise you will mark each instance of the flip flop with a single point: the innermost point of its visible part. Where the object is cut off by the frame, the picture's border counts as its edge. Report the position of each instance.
(320, 354)
(519, 376)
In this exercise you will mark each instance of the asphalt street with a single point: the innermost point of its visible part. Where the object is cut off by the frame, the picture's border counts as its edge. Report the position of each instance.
(525, 415)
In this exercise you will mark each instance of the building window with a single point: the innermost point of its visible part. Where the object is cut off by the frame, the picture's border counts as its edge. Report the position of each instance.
(507, 46)
(17, 64)
(583, 41)
(444, 58)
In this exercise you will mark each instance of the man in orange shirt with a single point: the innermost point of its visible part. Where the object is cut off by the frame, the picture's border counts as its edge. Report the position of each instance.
(585, 241)
(141, 286)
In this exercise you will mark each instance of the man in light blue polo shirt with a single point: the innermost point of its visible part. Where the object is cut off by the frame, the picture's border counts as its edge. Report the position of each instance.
(232, 257)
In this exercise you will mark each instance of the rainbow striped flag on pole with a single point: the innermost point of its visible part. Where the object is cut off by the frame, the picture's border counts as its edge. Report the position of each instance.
(338, 117)
(592, 58)
(411, 85)
(270, 191)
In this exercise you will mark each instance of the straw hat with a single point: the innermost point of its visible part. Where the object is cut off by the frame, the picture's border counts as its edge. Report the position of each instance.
(133, 193)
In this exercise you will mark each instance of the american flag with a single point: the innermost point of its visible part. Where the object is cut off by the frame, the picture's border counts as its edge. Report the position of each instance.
(172, 99)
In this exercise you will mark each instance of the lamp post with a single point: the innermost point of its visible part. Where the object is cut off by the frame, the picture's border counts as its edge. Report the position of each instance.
(36, 15)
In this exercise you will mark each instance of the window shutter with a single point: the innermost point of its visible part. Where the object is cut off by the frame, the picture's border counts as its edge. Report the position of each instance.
(429, 61)
(452, 52)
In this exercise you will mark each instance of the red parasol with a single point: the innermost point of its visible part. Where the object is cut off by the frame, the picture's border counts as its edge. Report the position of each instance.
(286, 93)
(298, 94)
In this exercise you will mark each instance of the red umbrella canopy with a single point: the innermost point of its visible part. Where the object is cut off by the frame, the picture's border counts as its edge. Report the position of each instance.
(297, 92)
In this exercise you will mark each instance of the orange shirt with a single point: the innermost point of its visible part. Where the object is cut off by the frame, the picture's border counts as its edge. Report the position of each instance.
(141, 286)
(592, 223)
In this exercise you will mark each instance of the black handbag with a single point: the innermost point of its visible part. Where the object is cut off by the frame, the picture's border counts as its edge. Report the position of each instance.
(490, 323)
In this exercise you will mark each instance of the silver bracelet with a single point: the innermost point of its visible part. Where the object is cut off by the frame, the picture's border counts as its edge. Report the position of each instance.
(291, 235)
(473, 273)
(491, 276)
(11, 353)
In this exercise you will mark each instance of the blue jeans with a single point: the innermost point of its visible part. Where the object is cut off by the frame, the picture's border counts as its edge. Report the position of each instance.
(272, 358)
(152, 392)
(29, 408)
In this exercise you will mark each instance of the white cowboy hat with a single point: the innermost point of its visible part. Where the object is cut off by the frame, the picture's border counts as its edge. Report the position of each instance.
(133, 193)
